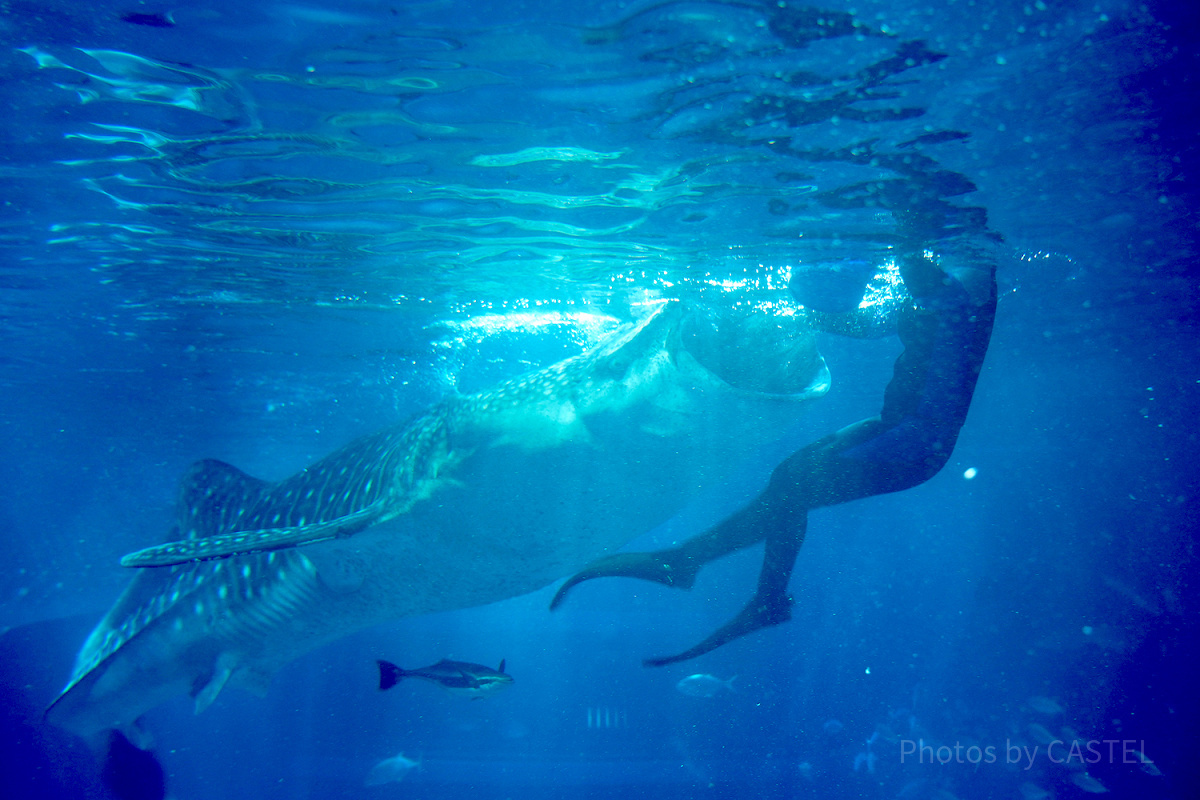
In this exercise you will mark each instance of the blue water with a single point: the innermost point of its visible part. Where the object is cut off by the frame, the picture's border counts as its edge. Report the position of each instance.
(255, 230)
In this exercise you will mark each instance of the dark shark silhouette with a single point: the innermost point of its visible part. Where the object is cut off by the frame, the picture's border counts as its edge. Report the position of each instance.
(461, 677)
(481, 498)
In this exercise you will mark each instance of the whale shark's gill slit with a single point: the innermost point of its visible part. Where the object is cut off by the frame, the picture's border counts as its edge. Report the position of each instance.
(278, 596)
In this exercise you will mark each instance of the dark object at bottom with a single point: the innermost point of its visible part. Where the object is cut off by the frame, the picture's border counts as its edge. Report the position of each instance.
(130, 773)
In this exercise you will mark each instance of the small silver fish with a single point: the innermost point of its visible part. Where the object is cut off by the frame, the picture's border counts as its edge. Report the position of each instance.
(1148, 766)
(1088, 783)
(704, 685)
(1044, 705)
(1031, 791)
(391, 769)
(1041, 735)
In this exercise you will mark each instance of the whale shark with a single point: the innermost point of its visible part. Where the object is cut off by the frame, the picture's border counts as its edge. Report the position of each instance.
(480, 498)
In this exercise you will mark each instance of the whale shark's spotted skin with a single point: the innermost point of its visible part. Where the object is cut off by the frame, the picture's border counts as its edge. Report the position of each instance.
(480, 498)
(367, 482)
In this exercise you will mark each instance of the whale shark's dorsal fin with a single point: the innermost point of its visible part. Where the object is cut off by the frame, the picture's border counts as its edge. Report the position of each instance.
(214, 497)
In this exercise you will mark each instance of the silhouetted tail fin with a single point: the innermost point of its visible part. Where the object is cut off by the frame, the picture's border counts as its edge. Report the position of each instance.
(389, 675)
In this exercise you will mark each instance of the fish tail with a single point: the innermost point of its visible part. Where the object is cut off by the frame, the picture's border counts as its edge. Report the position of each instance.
(389, 675)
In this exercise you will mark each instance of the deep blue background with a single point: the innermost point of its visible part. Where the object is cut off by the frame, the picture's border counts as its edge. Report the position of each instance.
(934, 614)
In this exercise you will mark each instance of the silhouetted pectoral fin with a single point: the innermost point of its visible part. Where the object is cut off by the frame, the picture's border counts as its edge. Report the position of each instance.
(667, 567)
(771, 604)
(759, 613)
(256, 541)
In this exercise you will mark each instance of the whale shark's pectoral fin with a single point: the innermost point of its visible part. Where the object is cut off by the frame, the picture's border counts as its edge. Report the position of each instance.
(771, 604)
(763, 611)
(259, 541)
(668, 567)
(677, 567)
(206, 694)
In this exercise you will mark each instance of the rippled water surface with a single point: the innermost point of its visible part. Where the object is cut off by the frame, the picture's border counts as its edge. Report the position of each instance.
(255, 230)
